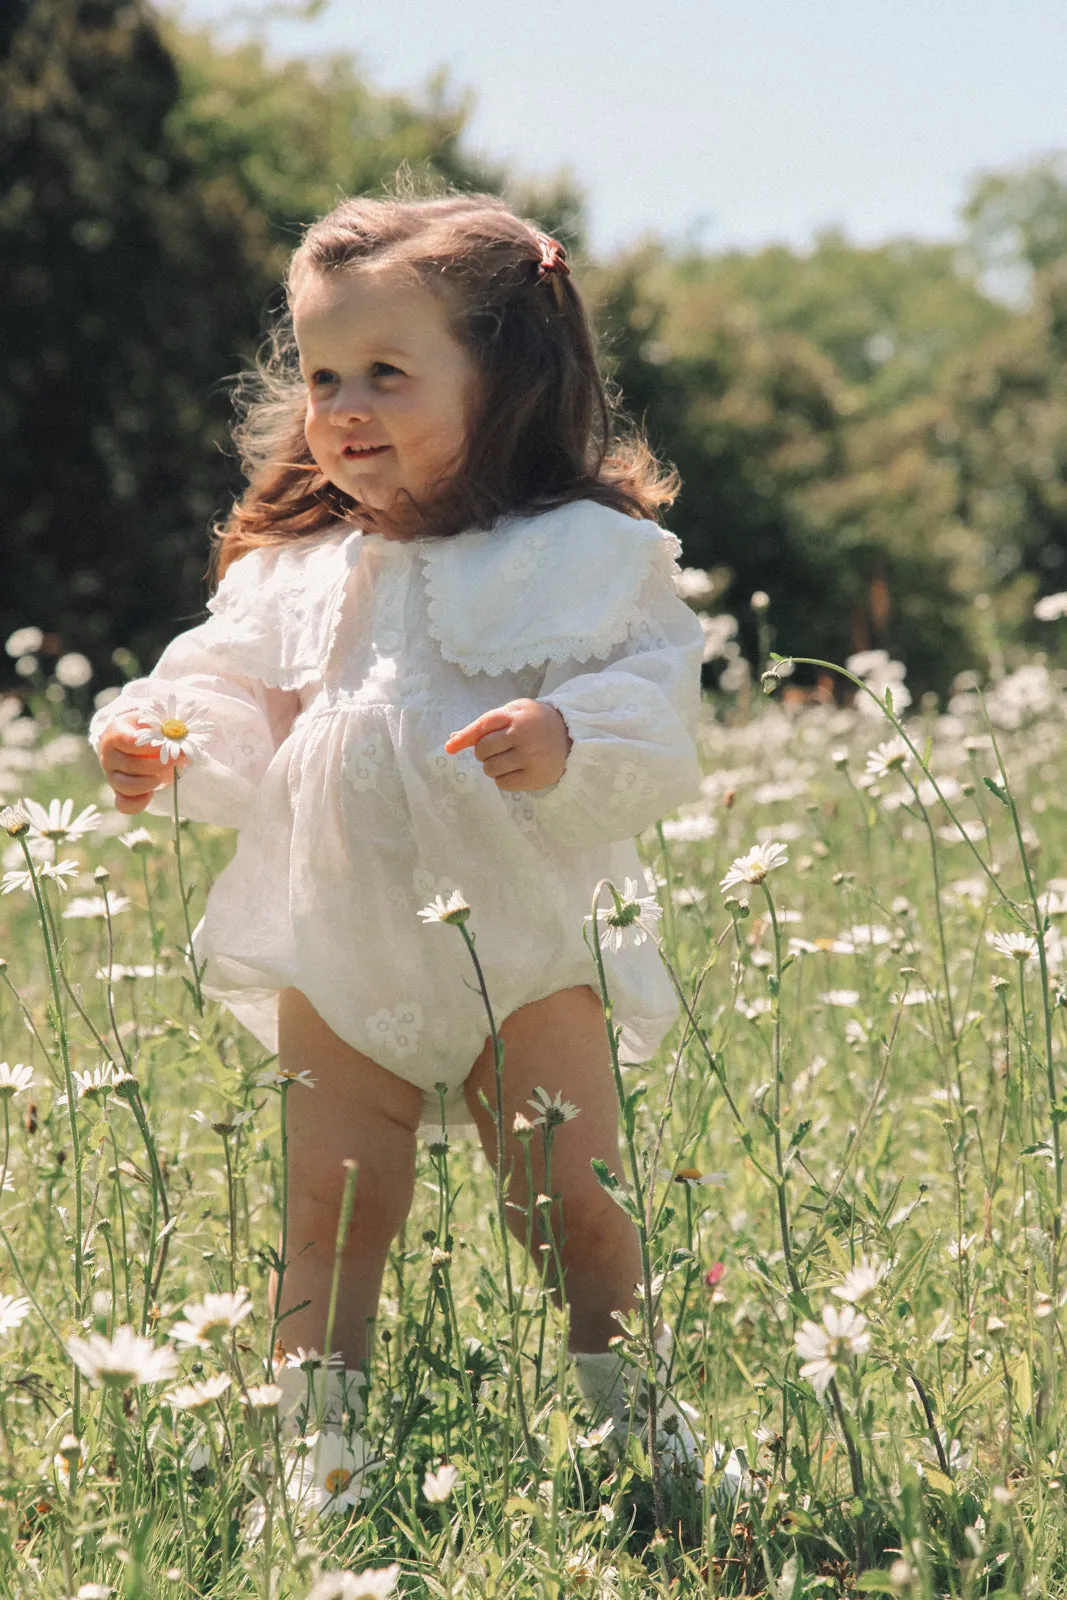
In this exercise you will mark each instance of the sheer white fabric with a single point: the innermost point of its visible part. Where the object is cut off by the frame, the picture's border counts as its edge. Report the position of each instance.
(333, 672)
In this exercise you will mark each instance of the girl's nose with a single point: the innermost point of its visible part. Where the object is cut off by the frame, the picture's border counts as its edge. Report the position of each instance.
(351, 403)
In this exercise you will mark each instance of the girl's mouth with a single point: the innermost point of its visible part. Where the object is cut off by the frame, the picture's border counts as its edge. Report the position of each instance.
(353, 452)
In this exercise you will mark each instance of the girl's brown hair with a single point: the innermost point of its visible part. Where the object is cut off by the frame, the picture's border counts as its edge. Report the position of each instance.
(544, 431)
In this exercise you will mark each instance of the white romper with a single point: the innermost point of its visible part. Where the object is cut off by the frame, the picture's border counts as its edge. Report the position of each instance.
(332, 670)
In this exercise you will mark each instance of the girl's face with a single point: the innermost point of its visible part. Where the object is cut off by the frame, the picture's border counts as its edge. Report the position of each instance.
(390, 390)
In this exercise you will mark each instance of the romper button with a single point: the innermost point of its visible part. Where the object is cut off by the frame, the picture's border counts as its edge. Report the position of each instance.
(389, 641)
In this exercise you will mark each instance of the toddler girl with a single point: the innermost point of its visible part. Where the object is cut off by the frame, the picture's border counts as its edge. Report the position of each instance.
(445, 652)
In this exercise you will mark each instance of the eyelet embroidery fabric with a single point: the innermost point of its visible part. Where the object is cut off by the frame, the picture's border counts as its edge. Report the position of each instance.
(333, 673)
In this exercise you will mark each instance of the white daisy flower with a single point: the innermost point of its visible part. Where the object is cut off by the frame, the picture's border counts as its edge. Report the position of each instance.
(94, 908)
(551, 1113)
(263, 1397)
(13, 1310)
(375, 1583)
(123, 1362)
(173, 728)
(842, 1335)
(58, 823)
(754, 867)
(437, 1486)
(140, 840)
(57, 872)
(99, 1082)
(892, 756)
(14, 821)
(199, 1396)
(454, 909)
(223, 1126)
(1050, 608)
(325, 1473)
(73, 670)
(209, 1320)
(23, 642)
(1018, 946)
(14, 1079)
(859, 1281)
(310, 1360)
(633, 922)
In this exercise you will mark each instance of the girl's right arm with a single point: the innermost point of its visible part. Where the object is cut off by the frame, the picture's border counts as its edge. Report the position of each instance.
(238, 721)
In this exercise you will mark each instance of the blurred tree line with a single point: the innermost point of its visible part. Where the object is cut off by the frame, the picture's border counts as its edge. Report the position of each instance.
(873, 436)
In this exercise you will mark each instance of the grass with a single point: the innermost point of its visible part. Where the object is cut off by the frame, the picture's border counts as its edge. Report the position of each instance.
(864, 1080)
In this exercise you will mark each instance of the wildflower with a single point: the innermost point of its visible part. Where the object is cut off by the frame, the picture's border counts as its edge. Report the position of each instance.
(754, 867)
(325, 1473)
(278, 1080)
(1050, 608)
(715, 1274)
(760, 601)
(437, 1486)
(171, 729)
(840, 997)
(200, 1396)
(263, 1397)
(210, 1319)
(68, 1458)
(98, 1083)
(94, 1591)
(695, 585)
(551, 1113)
(14, 1079)
(224, 1126)
(124, 974)
(375, 1583)
(859, 1282)
(310, 1360)
(73, 670)
(58, 872)
(23, 642)
(1019, 946)
(694, 1178)
(454, 909)
(94, 908)
(632, 921)
(123, 1362)
(521, 1124)
(893, 756)
(439, 1257)
(842, 1335)
(14, 821)
(58, 823)
(839, 759)
(140, 840)
(13, 1311)
(962, 1245)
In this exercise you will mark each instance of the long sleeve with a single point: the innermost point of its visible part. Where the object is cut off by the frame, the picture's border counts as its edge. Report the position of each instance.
(633, 725)
(248, 720)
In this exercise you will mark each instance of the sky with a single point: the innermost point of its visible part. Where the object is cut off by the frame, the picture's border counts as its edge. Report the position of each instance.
(727, 123)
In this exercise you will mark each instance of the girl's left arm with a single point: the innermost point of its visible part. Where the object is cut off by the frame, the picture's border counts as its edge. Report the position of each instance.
(632, 721)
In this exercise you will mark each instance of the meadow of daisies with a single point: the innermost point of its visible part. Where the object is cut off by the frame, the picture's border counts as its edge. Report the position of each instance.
(847, 1169)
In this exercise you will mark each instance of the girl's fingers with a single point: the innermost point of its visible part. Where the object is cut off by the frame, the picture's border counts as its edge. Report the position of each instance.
(499, 766)
(491, 722)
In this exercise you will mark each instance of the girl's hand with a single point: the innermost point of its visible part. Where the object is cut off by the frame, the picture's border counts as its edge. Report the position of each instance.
(521, 746)
(134, 771)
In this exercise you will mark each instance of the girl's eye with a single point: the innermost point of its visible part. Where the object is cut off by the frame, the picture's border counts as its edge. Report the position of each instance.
(385, 369)
(321, 377)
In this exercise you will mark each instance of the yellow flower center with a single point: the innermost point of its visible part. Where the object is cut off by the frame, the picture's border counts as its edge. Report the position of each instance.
(173, 728)
(337, 1480)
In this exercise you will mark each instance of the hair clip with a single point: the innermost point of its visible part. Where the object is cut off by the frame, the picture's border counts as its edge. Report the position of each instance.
(553, 256)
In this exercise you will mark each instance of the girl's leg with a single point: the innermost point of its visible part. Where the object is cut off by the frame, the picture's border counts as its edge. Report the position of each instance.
(360, 1111)
(560, 1044)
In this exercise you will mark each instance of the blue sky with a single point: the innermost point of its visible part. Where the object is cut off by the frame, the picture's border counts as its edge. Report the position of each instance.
(735, 122)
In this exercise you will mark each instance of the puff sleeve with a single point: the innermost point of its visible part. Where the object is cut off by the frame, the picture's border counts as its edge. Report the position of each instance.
(632, 717)
(248, 718)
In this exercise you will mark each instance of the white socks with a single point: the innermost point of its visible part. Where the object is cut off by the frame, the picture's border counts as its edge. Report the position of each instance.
(340, 1395)
(608, 1384)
